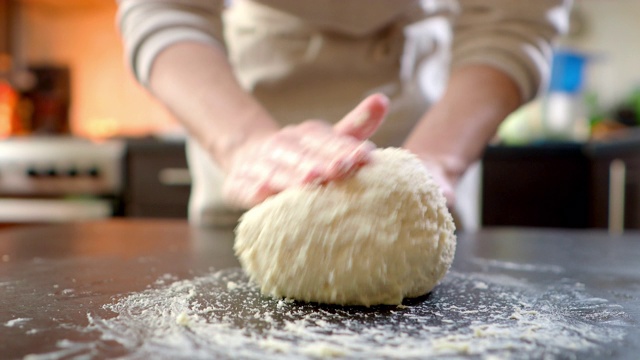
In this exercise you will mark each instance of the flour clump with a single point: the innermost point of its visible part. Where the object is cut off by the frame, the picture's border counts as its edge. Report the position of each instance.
(380, 236)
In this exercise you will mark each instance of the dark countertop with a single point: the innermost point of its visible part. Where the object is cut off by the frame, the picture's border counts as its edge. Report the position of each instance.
(106, 289)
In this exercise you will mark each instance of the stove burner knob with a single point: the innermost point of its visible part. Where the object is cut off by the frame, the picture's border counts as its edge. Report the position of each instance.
(73, 172)
(31, 172)
(51, 172)
(93, 172)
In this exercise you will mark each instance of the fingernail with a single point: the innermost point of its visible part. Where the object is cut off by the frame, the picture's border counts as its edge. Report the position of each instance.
(361, 118)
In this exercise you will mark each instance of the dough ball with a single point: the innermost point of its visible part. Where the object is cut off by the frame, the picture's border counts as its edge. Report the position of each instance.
(375, 238)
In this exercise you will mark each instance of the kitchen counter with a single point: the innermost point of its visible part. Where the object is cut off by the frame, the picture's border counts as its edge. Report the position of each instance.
(162, 289)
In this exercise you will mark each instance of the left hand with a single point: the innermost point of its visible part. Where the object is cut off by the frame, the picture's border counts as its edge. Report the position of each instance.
(447, 180)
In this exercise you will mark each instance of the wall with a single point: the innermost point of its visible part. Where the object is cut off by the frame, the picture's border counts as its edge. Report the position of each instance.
(608, 30)
(82, 35)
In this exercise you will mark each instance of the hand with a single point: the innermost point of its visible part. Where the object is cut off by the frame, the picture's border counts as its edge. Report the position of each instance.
(447, 183)
(312, 151)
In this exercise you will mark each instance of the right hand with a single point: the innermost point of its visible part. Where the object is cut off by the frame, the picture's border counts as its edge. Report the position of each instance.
(312, 151)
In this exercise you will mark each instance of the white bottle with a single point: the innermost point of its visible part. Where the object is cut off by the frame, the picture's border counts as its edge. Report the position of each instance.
(563, 110)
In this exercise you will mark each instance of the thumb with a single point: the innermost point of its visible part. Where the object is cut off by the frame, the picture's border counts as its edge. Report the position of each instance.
(363, 121)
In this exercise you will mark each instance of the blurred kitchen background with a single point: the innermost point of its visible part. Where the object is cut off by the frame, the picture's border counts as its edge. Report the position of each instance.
(79, 139)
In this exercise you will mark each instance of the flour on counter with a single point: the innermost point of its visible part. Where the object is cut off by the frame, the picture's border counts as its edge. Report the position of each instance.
(507, 265)
(16, 322)
(182, 319)
(206, 317)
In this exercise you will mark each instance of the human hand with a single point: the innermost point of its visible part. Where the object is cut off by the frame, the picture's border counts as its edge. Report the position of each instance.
(312, 151)
(447, 185)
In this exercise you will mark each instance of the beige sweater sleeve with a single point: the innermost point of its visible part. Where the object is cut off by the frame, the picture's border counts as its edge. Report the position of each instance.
(515, 36)
(149, 26)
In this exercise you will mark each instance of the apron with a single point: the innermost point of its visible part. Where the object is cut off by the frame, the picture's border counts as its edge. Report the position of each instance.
(300, 69)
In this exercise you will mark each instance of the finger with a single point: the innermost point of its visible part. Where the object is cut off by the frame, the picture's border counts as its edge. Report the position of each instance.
(335, 157)
(252, 183)
(363, 121)
(346, 163)
(286, 155)
(361, 154)
(246, 193)
(327, 146)
(259, 194)
(246, 184)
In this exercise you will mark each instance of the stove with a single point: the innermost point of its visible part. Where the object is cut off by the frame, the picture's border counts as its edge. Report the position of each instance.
(59, 178)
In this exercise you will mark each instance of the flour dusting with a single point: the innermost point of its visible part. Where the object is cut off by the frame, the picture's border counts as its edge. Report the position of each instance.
(221, 315)
(16, 322)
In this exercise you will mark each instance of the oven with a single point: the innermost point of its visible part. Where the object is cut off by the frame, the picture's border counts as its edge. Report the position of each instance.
(59, 179)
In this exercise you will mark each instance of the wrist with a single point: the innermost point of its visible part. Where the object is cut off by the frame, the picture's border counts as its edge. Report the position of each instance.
(450, 167)
(445, 170)
(226, 148)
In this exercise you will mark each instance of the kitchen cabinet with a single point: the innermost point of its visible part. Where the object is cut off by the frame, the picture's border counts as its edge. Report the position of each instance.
(157, 179)
(536, 186)
(556, 185)
(571, 185)
(615, 188)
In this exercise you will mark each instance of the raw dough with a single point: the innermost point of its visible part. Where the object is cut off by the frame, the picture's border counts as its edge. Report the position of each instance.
(375, 238)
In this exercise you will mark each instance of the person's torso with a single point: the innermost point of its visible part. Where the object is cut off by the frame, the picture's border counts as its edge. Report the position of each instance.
(319, 60)
(353, 17)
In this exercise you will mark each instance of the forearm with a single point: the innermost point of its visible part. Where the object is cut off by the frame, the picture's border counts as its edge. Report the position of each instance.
(196, 83)
(455, 131)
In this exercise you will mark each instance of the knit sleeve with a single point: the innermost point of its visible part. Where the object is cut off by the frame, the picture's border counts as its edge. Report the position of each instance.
(149, 26)
(515, 36)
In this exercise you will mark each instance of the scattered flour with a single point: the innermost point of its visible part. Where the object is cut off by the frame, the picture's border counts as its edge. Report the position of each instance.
(506, 265)
(16, 322)
(323, 350)
(231, 285)
(182, 319)
(205, 318)
(481, 285)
